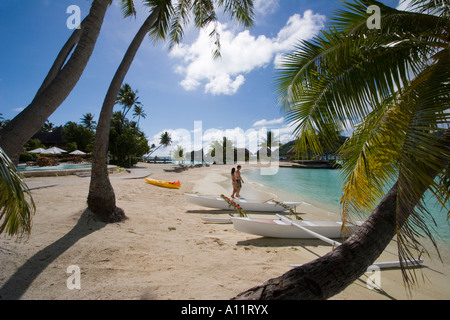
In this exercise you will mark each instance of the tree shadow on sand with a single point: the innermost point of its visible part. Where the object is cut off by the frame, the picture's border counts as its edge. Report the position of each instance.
(21, 280)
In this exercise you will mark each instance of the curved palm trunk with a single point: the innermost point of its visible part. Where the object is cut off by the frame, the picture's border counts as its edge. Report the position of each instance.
(58, 84)
(332, 273)
(101, 198)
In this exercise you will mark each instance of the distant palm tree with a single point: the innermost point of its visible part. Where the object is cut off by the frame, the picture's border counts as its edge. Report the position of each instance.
(47, 126)
(139, 113)
(224, 148)
(88, 121)
(61, 79)
(270, 138)
(166, 19)
(128, 99)
(392, 86)
(165, 139)
(178, 153)
(16, 203)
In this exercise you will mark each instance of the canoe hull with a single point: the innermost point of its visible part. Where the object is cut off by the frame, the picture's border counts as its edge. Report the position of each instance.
(275, 228)
(220, 203)
(163, 184)
(217, 220)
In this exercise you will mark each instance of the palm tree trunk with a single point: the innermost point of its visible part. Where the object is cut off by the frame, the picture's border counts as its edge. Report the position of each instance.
(101, 198)
(333, 272)
(58, 84)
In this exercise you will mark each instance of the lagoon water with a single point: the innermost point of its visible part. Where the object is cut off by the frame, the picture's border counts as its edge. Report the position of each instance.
(323, 188)
(54, 168)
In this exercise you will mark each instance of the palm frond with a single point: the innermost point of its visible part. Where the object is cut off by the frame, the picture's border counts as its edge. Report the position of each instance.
(128, 8)
(392, 87)
(241, 11)
(16, 204)
(179, 20)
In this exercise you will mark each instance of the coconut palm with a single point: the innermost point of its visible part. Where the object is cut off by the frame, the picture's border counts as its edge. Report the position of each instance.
(139, 113)
(88, 121)
(61, 79)
(392, 87)
(16, 204)
(166, 20)
(178, 153)
(222, 151)
(127, 98)
(270, 138)
(165, 139)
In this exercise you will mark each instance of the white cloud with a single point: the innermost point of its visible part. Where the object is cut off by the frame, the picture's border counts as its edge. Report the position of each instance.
(267, 123)
(265, 7)
(223, 84)
(201, 137)
(241, 53)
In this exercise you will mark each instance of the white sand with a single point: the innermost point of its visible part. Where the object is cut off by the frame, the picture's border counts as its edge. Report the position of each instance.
(164, 250)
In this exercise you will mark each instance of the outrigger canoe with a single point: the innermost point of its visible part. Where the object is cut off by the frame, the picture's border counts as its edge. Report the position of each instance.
(247, 205)
(277, 228)
(164, 184)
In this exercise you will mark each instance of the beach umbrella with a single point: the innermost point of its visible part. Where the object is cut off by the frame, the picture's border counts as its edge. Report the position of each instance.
(77, 152)
(54, 150)
(38, 150)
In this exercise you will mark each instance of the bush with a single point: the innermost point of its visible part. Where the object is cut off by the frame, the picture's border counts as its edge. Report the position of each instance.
(25, 157)
(45, 162)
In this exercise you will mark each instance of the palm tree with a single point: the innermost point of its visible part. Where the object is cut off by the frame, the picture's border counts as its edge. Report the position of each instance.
(61, 79)
(139, 113)
(47, 126)
(271, 138)
(224, 148)
(392, 86)
(166, 19)
(17, 206)
(165, 139)
(127, 98)
(88, 121)
(178, 153)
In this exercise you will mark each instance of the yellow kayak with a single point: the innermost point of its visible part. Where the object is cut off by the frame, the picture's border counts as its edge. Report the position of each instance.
(164, 184)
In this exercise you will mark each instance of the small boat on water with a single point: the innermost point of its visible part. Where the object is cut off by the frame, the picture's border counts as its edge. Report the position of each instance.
(277, 228)
(164, 184)
(247, 205)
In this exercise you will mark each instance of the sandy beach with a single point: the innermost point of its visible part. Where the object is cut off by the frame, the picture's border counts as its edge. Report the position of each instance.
(164, 250)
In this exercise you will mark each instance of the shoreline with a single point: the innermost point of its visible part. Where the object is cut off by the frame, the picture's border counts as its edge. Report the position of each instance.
(163, 250)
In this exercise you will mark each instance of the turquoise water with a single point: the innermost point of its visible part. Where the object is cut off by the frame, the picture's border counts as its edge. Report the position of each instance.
(52, 168)
(323, 189)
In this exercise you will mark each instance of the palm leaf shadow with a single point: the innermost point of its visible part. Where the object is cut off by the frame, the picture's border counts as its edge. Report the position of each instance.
(21, 280)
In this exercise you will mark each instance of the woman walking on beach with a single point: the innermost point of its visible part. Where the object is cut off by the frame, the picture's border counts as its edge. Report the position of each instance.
(234, 183)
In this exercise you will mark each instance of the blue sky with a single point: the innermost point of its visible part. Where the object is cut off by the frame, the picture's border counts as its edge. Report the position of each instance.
(233, 95)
